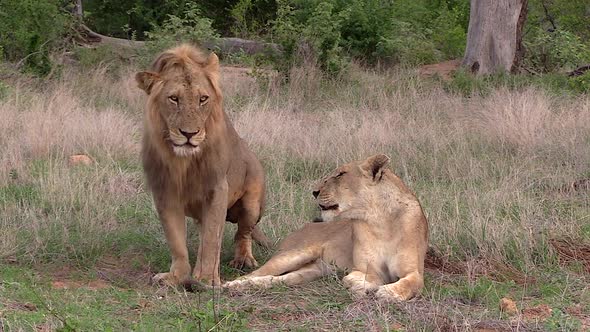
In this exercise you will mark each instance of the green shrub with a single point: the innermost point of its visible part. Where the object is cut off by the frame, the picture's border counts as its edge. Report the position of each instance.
(124, 19)
(550, 51)
(448, 34)
(30, 29)
(581, 83)
(406, 31)
(407, 46)
(190, 27)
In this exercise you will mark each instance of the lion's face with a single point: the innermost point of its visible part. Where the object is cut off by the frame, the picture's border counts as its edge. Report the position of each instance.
(340, 191)
(184, 94)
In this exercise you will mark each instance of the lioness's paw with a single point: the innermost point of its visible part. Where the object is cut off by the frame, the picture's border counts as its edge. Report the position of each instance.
(392, 293)
(358, 285)
(244, 261)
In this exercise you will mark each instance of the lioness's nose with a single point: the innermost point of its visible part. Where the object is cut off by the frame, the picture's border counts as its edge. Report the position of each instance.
(188, 135)
(315, 193)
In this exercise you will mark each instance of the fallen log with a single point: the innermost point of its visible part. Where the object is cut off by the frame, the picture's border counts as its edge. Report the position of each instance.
(226, 45)
(579, 71)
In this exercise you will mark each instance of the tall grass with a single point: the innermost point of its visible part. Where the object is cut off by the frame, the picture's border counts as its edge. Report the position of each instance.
(488, 169)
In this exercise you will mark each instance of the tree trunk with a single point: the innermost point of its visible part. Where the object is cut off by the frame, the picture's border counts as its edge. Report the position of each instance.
(494, 36)
(77, 11)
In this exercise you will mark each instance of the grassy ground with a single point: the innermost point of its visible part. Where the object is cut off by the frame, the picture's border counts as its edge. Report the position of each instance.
(502, 176)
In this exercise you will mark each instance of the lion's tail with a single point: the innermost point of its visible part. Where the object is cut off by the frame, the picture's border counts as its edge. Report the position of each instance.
(260, 238)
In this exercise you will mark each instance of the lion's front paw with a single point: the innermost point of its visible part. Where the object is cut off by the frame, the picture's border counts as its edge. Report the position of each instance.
(392, 293)
(167, 279)
(240, 261)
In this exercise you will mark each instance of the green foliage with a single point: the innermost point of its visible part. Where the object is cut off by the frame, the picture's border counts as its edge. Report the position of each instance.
(581, 83)
(30, 29)
(251, 17)
(408, 46)
(551, 51)
(191, 27)
(410, 32)
(4, 90)
(448, 34)
(322, 32)
(466, 84)
(125, 19)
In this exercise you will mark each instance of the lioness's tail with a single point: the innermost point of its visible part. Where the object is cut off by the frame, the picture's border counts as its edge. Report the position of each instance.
(260, 238)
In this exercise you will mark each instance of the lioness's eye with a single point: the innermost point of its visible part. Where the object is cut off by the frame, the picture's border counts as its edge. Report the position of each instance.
(340, 174)
(173, 99)
(203, 99)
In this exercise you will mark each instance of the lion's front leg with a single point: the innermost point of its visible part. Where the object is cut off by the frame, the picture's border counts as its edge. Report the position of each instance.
(174, 225)
(210, 236)
(360, 284)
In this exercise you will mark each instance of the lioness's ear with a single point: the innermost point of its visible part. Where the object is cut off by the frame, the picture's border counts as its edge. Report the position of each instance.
(212, 64)
(374, 166)
(145, 80)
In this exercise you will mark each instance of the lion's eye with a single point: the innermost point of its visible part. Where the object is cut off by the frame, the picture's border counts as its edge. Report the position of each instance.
(203, 99)
(173, 99)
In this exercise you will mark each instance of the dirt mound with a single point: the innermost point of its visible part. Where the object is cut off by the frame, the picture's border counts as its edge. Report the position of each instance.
(444, 69)
(479, 266)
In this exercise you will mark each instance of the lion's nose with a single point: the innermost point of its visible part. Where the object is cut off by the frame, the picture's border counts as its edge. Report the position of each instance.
(187, 134)
(316, 193)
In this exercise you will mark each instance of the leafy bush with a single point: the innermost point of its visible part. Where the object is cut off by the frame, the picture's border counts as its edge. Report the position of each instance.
(30, 29)
(448, 34)
(190, 27)
(408, 46)
(250, 17)
(581, 83)
(405, 31)
(124, 19)
(549, 51)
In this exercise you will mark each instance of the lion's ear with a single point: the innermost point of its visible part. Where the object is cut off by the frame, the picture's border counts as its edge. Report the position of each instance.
(145, 80)
(212, 69)
(374, 166)
(212, 64)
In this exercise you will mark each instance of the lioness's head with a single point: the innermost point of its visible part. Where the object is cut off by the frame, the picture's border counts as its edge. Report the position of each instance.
(183, 89)
(341, 191)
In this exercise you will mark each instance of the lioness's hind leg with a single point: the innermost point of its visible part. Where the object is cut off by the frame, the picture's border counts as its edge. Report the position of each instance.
(307, 273)
(285, 262)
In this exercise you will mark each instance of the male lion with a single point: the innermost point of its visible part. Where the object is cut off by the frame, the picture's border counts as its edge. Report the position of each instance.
(197, 165)
(378, 233)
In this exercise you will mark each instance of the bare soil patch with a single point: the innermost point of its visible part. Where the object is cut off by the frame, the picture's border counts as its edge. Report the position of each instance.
(444, 69)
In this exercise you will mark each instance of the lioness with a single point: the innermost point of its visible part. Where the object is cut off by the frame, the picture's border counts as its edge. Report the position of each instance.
(197, 165)
(378, 233)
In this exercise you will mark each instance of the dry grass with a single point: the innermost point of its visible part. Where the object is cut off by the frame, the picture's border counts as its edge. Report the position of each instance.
(485, 168)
